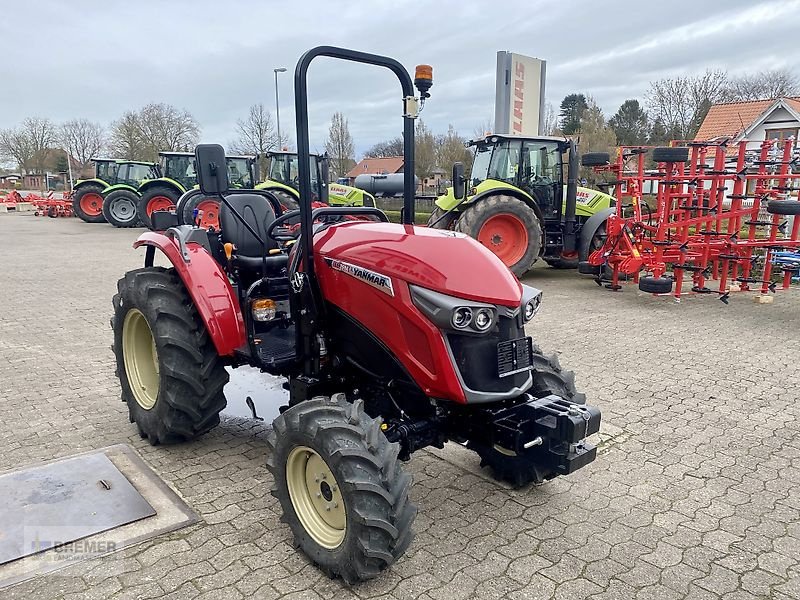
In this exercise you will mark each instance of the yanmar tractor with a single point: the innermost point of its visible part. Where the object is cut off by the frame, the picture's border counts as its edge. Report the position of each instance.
(388, 341)
(520, 206)
(283, 175)
(178, 177)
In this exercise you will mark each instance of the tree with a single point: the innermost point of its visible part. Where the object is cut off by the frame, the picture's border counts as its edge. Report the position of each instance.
(658, 135)
(482, 128)
(425, 158)
(550, 120)
(339, 146)
(450, 149)
(61, 165)
(30, 144)
(15, 145)
(572, 109)
(82, 139)
(393, 147)
(766, 85)
(141, 135)
(595, 134)
(257, 135)
(682, 102)
(630, 124)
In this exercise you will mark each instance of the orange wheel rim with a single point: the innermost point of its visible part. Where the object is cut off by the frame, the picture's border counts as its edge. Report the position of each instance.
(506, 236)
(159, 203)
(210, 216)
(92, 204)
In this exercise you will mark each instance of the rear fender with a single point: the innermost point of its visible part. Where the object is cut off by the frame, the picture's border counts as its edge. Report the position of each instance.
(589, 228)
(85, 182)
(119, 186)
(165, 182)
(206, 283)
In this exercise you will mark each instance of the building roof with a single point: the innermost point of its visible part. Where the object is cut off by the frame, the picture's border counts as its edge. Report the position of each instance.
(733, 118)
(377, 166)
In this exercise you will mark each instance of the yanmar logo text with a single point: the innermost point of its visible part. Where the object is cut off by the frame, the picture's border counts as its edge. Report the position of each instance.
(376, 280)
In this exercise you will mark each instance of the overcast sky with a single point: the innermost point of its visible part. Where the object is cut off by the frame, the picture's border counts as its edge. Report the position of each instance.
(80, 58)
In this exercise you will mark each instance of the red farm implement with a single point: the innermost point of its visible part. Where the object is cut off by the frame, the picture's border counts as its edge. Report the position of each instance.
(721, 214)
(50, 206)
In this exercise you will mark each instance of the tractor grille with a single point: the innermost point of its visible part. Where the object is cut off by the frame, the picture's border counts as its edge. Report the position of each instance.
(476, 357)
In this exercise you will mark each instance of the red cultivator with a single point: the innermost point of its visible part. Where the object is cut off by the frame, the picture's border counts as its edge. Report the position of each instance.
(720, 214)
(50, 206)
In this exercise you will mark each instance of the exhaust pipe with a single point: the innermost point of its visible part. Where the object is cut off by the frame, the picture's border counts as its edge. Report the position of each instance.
(570, 237)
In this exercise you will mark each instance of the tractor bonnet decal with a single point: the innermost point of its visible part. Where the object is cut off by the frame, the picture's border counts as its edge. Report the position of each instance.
(376, 280)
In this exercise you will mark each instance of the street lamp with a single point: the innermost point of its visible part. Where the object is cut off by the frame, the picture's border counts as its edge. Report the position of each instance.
(277, 104)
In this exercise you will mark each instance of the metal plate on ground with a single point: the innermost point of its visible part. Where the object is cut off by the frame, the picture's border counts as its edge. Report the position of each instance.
(98, 524)
(64, 502)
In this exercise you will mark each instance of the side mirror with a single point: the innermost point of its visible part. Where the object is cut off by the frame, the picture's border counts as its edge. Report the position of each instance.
(212, 168)
(459, 182)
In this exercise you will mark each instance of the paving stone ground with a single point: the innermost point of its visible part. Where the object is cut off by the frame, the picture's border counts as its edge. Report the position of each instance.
(698, 496)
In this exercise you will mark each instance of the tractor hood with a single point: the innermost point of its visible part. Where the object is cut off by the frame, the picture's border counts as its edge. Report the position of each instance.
(444, 261)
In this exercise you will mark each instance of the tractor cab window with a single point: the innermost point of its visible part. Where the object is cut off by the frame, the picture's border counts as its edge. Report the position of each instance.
(480, 165)
(181, 169)
(136, 174)
(505, 161)
(541, 174)
(106, 171)
(239, 173)
(283, 168)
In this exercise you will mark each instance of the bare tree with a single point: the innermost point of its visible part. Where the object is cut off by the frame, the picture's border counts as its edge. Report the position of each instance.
(339, 146)
(257, 135)
(16, 146)
(30, 145)
(141, 135)
(681, 103)
(425, 151)
(450, 149)
(393, 147)
(595, 134)
(766, 85)
(482, 128)
(82, 139)
(550, 120)
(126, 140)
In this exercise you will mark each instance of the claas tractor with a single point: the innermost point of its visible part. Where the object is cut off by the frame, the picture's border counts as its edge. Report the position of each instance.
(387, 342)
(120, 200)
(178, 177)
(282, 180)
(523, 203)
(88, 195)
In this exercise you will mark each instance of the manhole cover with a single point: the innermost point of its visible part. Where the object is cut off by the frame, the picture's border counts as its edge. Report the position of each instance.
(63, 502)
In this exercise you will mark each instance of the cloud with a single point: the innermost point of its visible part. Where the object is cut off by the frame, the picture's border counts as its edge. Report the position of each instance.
(98, 59)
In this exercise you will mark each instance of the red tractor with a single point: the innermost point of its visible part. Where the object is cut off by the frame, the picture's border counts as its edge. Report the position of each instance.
(388, 342)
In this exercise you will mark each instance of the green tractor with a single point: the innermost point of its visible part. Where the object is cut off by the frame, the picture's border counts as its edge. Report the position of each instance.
(522, 202)
(87, 194)
(120, 200)
(282, 180)
(178, 177)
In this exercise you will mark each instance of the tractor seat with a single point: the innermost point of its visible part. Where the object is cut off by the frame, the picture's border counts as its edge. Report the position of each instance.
(259, 214)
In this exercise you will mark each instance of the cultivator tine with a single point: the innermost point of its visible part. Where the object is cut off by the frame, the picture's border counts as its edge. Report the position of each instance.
(725, 298)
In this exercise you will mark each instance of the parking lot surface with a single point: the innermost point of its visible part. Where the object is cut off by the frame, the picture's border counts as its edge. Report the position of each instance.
(696, 495)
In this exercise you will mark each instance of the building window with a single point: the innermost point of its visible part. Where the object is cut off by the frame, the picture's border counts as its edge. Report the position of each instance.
(781, 134)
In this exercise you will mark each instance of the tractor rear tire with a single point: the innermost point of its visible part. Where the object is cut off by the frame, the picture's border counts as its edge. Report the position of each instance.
(655, 285)
(669, 154)
(508, 227)
(120, 208)
(783, 207)
(87, 203)
(438, 220)
(209, 206)
(595, 159)
(354, 519)
(156, 198)
(171, 376)
(288, 202)
(519, 469)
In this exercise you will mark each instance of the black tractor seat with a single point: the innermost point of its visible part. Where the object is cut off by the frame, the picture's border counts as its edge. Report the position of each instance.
(257, 210)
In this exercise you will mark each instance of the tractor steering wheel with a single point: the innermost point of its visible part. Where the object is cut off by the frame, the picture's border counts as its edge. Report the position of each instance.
(284, 234)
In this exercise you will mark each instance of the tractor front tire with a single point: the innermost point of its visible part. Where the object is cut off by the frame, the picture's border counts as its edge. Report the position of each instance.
(171, 376)
(521, 469)
(158, 197)
(508, 227)
(120, 208)
(440, 219)
(341, 487)
(87, 203)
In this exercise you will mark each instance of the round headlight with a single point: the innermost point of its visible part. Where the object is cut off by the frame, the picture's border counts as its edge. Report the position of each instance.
(483, 319)
(531, 308)
(462, 317)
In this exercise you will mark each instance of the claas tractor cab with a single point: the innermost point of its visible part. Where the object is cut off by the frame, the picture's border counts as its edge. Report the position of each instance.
(120, 200)
(178, 177)
(387, 343)
(523, 203)
(282, 180)
(109, 173)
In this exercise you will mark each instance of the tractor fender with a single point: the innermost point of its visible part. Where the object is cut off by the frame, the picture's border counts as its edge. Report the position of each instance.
(120, 186)
(589, 228)
(206, 283)
(165, 181)
(84, 182)
(269, 184)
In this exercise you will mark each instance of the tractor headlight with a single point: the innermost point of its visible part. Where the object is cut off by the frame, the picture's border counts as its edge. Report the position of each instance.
(531, 302)
(449, 312)
(462, 317)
